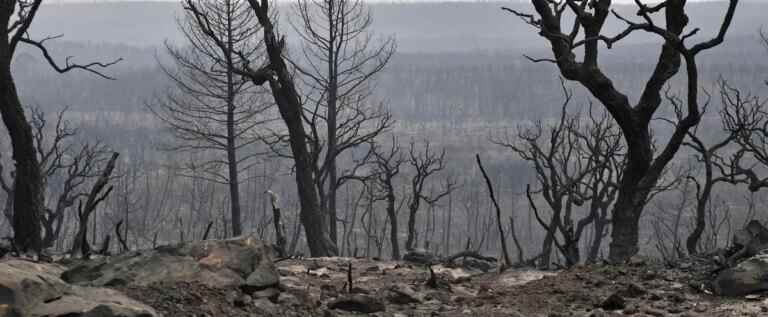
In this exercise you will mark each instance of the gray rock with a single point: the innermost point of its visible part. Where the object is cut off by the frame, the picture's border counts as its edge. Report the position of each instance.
(261, 278)
(613, 302)
(596, 313)
(402, 295)
(746, 278)
(35, 289)
(634, 290)
(264, 307)
(272, 293)
(238, 262)
(358, 303)
(243, 301)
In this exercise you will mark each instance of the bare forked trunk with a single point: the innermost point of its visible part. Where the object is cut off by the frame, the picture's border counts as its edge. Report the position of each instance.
(643, 166)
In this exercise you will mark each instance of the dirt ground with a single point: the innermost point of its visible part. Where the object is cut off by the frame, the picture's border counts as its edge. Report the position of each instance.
(319, 287)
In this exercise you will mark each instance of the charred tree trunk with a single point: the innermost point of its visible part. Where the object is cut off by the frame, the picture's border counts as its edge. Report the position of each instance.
(287, 99)
(96, 196)
(392, 215)
(502, 236)
(632, 197)
(333, 89)
(281, 241)
(597, 241)
(28, 191)
(642, 169)
(545, 259)
(410, 240)
(692, 242)
(234, 181)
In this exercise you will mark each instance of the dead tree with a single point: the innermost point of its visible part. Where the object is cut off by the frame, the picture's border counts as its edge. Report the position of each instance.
(121, 238)
(280, 239)
(601, 148)
(502, 236)
(714, 166)
(570, 159)
(65, 168)
(386, 167)
(60, 158)
(425, 163)
(17, 16)
(667, 224)
(644, 166)
(275, 72)
(746, 116)
(98, 193)
(374, 232)
(210, 108)
(339, 59)
(551, 151)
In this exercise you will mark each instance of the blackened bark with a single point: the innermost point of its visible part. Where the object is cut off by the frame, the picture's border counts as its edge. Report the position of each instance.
(234, 181)
(410, 240)
(28, 191)
(502, 236)
(16, 17)
(98, 193)
(332, 100)
(642, 170)
(280, 239)
(387, 167)
(287, 99)
(392, 215)
(692, 242)
(597, 240)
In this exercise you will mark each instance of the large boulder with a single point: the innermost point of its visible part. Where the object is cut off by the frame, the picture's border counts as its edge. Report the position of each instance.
(35, 289)
(244, 262)
(751, 239)
(747, 277)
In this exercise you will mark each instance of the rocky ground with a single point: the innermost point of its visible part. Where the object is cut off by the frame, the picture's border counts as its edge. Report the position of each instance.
(319, 287)
(641, 289)
(237, 277)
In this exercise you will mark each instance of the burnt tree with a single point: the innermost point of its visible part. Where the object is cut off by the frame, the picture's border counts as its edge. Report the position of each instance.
(17, 17)
(210, 108)
(281, 82)
(575, 162)
(387, 162)
(339, 58)
(99, 192)
(426, 163)
(502, 236)
(715, 167)
(274, 70)
(644, 165)
(65, 166)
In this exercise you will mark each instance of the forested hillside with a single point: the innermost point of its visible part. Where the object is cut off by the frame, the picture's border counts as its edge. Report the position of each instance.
(313, 157)
(459, 78)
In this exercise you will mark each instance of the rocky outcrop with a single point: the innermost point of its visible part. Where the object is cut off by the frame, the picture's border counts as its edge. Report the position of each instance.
(746, 263)
(358, 303)
(244, 262)
(747, 277)
(35, 289)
